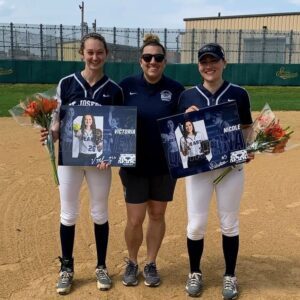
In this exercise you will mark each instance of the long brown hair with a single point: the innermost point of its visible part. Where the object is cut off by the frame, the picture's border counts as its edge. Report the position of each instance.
(185, 133)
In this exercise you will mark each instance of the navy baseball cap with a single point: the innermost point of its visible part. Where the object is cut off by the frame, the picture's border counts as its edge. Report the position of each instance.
(211, 49)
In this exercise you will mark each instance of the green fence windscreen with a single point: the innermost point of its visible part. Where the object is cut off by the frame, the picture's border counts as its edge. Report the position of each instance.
(18, 71)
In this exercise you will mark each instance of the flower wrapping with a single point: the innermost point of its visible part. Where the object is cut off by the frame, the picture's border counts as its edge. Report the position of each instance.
(267, 136)
(38, 110)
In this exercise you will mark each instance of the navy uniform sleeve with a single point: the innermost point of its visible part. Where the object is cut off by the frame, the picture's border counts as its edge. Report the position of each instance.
(181, 103)
(186, 100)
(244, 108)
(179, 93)
(119, 97)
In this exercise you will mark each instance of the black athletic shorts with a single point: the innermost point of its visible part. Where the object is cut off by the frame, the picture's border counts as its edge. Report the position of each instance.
(140, 189)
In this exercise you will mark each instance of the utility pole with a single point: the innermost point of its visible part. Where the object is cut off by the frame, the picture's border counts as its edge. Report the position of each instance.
(82, 17)
(95, 26)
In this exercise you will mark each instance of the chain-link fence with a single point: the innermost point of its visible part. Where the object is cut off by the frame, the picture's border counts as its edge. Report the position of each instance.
(51, 42)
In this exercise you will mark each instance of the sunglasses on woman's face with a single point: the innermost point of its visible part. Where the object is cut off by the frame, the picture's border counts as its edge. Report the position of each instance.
(148, 57)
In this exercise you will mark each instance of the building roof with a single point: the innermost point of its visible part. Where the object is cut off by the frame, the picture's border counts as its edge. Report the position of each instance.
(244, 16)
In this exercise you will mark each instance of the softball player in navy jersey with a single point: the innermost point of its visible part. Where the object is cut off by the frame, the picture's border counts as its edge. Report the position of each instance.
(88, 87)
(148, 187)
(199, 188)
(89, 141)
(191, 144)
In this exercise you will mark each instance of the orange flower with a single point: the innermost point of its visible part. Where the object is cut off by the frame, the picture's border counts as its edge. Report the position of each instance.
(39, 109)
(275, 131)
(32, 109)
(48, 105)
(269, 137)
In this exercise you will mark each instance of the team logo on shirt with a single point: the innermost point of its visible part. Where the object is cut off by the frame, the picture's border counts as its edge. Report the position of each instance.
(166, 95)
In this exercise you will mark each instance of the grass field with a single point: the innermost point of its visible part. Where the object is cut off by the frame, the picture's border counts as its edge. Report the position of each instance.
(11, 94)
(279, 98)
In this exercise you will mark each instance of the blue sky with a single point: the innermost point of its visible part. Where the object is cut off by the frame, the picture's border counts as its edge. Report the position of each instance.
(133, 13)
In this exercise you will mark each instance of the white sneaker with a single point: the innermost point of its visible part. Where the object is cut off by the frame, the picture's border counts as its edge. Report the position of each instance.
(230, 288)
(194, 284)
(103, 280)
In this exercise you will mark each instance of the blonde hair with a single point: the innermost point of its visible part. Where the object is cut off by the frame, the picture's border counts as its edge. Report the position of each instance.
(151, 39)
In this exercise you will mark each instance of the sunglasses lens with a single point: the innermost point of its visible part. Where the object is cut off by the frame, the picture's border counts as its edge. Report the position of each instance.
(159, 57)
(148, 57)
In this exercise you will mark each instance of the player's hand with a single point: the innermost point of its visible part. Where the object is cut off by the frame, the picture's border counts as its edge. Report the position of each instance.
(43, 136)
(192, 108)
(45, 133)
(103, 166)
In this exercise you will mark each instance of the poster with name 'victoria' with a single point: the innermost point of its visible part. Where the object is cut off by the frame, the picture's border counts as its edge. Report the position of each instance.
(90, 135)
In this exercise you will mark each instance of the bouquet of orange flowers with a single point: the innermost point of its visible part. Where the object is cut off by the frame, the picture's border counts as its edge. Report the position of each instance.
(267, 136)
(39, 108)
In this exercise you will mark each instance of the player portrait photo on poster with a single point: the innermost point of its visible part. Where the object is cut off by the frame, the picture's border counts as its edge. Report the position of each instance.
(203, 140)
(92, 134)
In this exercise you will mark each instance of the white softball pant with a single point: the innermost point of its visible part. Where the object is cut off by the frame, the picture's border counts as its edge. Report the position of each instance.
(199, 190)
(70, 180)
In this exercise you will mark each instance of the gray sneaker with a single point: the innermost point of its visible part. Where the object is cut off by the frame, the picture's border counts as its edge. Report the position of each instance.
(151, 275)
(66, 273)
(103, 280)
(230, 288)
(194, 284)
(130, 277)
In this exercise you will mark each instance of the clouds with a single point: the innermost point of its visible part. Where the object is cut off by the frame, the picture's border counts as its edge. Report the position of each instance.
(133, 13)
(296, 2)
(6, 9)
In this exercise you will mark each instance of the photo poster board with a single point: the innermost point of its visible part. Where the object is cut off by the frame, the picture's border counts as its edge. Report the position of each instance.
(217, 140)
(112, 139)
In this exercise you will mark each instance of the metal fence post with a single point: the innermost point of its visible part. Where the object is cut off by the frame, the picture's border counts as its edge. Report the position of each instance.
(41, 41)
(216, 35)
(291, 46)
(264, 43)
(61, 42)
(193, 45)
(165, 37)
(3, 39)
(240, 46)
(12, 40)
(114, 43)
(138, 40)
(177, 48)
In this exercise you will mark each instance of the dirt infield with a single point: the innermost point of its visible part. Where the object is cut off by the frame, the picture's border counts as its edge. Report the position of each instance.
(269, 258)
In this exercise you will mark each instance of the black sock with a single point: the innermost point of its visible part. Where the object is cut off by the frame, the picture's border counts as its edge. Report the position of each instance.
(101, 237)
(195, 250)
(67, 234)
(230, 250)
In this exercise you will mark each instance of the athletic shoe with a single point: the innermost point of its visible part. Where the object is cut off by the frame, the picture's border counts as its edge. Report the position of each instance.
(230, 288)
(130, 277)
(151, 275)
(66, 273)
(194, 284)
(103, 280)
